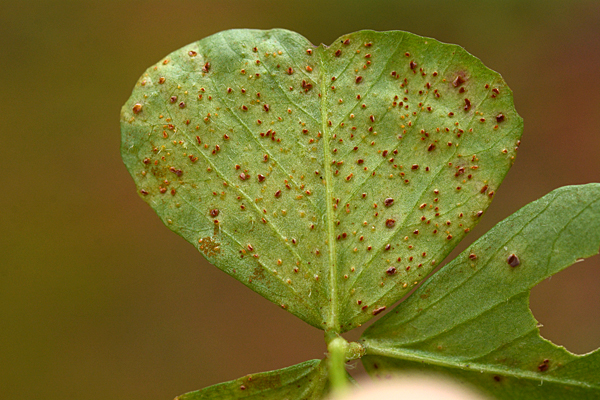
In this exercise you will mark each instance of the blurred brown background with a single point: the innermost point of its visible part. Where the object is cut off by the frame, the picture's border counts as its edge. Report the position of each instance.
(98, 300)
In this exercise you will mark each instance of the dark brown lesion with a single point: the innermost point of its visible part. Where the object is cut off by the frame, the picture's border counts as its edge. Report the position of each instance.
(459, 79)
(544, 365)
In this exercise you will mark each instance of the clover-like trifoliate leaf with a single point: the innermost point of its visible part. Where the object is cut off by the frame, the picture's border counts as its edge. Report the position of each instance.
(472, 319)
(304, 381)
(330, 180)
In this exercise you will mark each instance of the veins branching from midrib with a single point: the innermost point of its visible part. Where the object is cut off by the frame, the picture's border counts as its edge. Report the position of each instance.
(332, 322)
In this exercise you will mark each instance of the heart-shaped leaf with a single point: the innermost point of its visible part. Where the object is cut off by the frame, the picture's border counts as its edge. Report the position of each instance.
(331, 180)
(472, 319)
(303, 381)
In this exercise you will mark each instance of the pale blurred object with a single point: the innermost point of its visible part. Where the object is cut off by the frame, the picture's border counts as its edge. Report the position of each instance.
(412, 387)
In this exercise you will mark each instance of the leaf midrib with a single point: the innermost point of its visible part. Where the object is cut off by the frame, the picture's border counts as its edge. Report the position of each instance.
(332, 319)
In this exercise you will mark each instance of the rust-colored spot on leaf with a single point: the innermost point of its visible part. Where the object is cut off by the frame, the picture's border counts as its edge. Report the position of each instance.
(459, 80)
(209, 246)
(379, 310)
(513, 261)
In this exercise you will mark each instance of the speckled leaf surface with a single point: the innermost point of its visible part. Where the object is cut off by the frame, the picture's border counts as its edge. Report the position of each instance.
(300, 382)
(472, 319)
(328, 179)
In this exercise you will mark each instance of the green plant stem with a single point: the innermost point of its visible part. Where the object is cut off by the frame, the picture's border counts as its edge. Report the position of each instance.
(337, 349)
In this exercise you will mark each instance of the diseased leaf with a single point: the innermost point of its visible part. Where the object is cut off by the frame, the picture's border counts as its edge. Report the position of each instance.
(330, 180)
(472, 318)
(307, 380)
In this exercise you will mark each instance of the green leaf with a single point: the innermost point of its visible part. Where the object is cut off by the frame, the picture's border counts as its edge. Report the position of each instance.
(330, 180)
(307, 380)
(472, 319)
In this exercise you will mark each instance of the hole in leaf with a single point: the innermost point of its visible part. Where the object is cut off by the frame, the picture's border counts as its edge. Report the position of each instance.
(568, 306)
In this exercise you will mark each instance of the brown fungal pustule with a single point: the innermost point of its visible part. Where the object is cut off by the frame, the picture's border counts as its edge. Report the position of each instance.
(467, 106)
(214, 212)
(499, 117)
(243, 176)
(161, 80)
(388, 202)
(182, 105)
(338, 52)
(261, 177)
(414, 166)
(513, 261)
(379, 310)
(459, 80)
(390, 222)
(544, 365)
(266, 107)
(206, 67)
(278, 193)
(137, 108)
(387, 247)
(359, 79)
(473, 256)
(391, 271)
(173, 99)
(412, 65)
(176, 171)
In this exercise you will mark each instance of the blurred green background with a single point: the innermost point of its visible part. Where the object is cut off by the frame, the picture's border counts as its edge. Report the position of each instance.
(99, 300)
